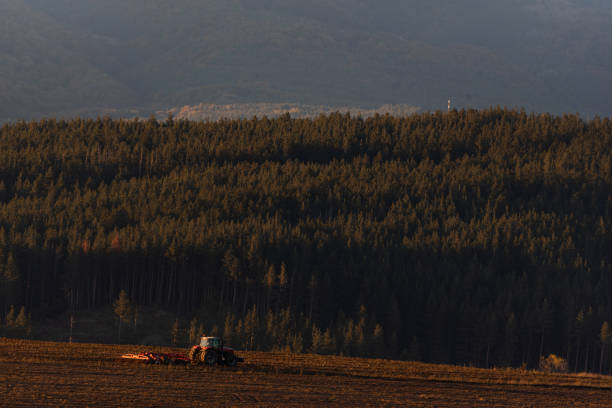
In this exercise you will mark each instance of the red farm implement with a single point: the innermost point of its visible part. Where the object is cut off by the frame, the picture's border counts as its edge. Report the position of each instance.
(158, 358)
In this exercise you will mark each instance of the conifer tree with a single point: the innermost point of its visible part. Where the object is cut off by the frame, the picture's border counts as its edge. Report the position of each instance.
(123, 309)
(10, 318)
(510, 339)
(414, 353)
(605, 338)
(251, 323)
(579, 328)
(329, 343)
(193, 331)
(10, 281)
(21, 321)
(377, 348)
(231, 263)
(135, 317)
(283, 279)
(175, 333)
(269, 280)
(296, 343)
(228, 329)
(317, 340)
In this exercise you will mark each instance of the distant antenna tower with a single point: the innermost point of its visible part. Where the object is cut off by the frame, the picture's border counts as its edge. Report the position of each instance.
(449, 103)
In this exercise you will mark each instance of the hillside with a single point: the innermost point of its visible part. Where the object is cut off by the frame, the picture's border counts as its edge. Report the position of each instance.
(475, 237)
(85, 57)
(41, 72)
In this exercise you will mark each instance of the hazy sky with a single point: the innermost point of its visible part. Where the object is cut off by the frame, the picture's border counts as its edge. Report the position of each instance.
(87, 55)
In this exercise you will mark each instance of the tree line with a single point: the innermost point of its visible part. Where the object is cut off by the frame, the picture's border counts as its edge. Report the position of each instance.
(473, 237)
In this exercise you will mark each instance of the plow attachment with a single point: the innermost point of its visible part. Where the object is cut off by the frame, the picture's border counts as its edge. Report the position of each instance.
(158, 358)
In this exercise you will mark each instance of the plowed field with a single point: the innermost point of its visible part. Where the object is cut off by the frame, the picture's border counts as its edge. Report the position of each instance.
(57, 374)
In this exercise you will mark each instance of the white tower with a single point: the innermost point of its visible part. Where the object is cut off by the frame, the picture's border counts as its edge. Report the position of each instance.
(449, 103)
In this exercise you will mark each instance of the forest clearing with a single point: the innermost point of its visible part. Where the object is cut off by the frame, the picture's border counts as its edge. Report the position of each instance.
(34, 373)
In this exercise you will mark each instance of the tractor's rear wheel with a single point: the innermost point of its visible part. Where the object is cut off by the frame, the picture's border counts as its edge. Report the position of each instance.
(230, 359)
(194, 356)
(211, 357)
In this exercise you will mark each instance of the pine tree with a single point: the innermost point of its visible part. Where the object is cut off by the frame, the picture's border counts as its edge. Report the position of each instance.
(329, 343)
(546, 323)
(251, 323)
(348, 341)
(578, 329)
(231, 263)
(239, 335)
(377, 342)
(283, 279)
(312, 287)
(193, 331)
(22, 319)
(123, 309)
(11, 273)
(414, 353)
(268, 281)
(175, 333)
(10, 281)
(317, 340)
(10, 318)
(588, 328)
(228, 329)
(510, 340)
(605, 338)
(296, 343)
(29, 325)
(135, 317)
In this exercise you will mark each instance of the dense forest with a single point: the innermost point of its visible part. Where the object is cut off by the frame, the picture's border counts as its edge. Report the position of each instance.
(474, 237)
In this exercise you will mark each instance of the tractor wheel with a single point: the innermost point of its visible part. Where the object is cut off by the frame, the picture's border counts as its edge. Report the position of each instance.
(230, 359)
(211, 357)
(194, 356)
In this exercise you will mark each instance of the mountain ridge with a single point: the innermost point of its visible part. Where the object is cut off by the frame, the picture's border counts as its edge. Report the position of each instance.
(157, 55)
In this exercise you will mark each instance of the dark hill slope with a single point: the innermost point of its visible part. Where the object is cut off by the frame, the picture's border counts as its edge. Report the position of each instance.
(478, 237)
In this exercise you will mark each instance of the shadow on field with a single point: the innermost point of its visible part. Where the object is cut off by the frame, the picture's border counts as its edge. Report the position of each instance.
(272, 369)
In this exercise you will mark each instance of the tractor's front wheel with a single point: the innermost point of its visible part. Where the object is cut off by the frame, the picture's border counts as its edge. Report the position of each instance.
(211, 357)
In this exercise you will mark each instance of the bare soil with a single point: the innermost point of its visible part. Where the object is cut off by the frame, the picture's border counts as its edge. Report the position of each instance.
(44, 374)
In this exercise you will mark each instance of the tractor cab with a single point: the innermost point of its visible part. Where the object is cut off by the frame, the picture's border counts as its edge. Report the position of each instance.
(211, 342)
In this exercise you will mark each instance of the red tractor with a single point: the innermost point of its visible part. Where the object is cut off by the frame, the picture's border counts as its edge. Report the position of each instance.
(211, 351)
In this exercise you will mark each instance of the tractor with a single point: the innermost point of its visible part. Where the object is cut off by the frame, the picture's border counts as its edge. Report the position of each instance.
(211, 351)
